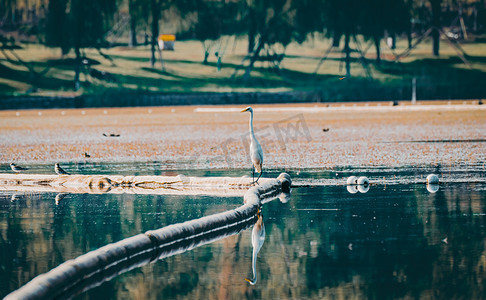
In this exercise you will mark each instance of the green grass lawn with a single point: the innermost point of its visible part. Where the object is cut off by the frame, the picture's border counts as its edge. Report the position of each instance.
(444, 77)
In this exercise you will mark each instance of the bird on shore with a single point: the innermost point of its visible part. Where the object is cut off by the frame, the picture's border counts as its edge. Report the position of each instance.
(59, 170)
(256, 153)
(86, 155)
(17, 169)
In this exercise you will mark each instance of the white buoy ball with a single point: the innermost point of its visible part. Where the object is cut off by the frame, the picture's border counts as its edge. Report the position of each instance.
(432, 188)
(363, 181)
(433, 179)
(352, 189)
(363, 188)
(352, 180)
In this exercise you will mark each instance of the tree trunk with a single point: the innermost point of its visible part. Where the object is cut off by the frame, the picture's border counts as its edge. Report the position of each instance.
(206, 52)
(206, 55)
(133, 32)
(409, 35)
(77, 68)
(155, 30)
(77, 43)
(256, 53)
(347, 51)
(251, 31)
(436, 24)
(336, 39)
(378, 52)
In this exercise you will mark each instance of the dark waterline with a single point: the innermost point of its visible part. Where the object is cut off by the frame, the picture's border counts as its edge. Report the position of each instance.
(395, 241)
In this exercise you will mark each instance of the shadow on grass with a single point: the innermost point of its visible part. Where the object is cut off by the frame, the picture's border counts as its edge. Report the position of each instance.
(6, 89)
(42, 82)
(437, 78)
(131, 58)
(444, 78)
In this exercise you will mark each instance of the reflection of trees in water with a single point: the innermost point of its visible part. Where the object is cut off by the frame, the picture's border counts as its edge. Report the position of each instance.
(39, 235)
(402, 252)
(345, 252)
(12, 242)
(462, 255)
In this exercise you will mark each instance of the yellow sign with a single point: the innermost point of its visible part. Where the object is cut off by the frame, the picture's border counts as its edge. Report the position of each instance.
(167, 37)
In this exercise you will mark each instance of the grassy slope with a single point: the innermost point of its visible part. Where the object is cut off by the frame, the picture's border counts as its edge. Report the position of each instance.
(444, 77)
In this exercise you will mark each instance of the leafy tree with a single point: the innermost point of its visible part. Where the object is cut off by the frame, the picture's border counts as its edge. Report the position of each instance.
(209, 24)
(309, 18)
(270, 22)
(56, 26)
(380, 16)
(342, 18)
(214, 19)
(6, 8)
(78, 24)
(140, 13)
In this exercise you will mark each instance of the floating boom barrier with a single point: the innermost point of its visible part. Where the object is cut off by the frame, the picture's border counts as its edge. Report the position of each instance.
(93, 268)
(116, 184)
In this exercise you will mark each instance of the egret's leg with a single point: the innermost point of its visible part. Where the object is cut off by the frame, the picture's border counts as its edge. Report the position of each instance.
(259, 177)
(253, 175)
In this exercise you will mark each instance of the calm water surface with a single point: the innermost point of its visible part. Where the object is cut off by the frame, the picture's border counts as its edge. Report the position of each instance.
(394, 241)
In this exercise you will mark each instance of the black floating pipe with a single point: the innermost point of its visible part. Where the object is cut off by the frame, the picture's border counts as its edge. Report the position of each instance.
(93, 268)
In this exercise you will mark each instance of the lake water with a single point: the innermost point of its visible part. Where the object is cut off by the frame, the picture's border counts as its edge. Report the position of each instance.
(398, 240)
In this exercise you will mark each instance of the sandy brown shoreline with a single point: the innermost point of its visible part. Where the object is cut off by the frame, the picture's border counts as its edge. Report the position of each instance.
(292, 135)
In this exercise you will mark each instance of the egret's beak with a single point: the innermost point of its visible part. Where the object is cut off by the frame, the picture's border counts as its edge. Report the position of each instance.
(246, 109)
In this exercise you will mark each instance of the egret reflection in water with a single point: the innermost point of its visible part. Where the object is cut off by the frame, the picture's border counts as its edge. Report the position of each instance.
(257, 240)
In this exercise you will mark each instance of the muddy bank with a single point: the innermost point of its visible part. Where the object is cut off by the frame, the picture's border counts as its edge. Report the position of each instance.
(292, 136)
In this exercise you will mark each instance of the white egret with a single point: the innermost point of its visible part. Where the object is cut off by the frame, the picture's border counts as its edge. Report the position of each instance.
(257, 240)
(256, 153)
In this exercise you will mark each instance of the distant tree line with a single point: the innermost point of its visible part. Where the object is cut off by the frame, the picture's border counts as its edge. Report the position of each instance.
(77, 24)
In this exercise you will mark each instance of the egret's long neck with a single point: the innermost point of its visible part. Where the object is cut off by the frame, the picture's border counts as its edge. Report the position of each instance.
(253, 266)
(251, 125)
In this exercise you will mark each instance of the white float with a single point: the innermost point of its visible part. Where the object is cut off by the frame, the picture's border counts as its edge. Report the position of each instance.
(352, 189)
(433, 179)
(432, 188)
(363, 188)
(363, 181)
(352, 180)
